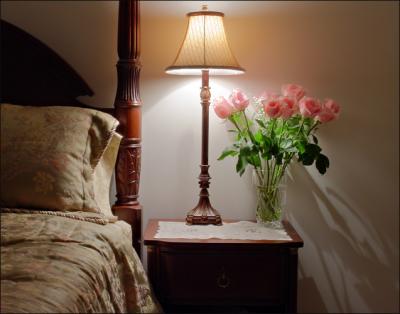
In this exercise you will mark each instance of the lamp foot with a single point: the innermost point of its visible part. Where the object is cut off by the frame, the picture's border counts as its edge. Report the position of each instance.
(203, 214)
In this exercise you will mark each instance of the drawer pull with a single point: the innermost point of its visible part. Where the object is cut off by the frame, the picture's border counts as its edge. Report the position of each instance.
(223, 281)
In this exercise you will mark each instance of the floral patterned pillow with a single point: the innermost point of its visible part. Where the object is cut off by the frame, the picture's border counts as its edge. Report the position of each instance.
(103, 174)
(48, 156)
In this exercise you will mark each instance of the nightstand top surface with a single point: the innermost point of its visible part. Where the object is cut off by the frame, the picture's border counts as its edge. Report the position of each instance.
(152, 227)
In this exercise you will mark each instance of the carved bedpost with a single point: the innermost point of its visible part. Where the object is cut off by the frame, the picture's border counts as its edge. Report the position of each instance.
(128, 111)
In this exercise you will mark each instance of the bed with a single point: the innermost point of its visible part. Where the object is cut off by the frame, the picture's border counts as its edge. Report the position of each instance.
(63, 248)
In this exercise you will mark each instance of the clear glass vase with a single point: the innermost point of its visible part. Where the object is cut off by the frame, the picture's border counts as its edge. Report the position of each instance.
(271, 196)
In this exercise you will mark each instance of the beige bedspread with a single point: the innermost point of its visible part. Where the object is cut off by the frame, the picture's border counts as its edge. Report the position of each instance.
(52, 264)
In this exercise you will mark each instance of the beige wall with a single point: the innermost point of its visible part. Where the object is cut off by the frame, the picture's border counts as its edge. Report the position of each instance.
(349, 218)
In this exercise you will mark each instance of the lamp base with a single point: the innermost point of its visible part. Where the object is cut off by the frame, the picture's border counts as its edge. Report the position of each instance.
(203, 214)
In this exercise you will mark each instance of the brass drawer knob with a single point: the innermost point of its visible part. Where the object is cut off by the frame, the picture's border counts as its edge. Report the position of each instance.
(223, 280)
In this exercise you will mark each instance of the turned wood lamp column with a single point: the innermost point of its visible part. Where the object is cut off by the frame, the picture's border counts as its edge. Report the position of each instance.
(204, 213)
(205, 51)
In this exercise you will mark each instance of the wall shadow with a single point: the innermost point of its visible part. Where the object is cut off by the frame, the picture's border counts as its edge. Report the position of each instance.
(339, 253)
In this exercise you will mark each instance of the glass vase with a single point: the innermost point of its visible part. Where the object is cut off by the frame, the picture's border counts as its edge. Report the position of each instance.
(271, 196)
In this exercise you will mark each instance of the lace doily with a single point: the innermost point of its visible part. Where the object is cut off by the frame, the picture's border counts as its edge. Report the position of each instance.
(242, 230)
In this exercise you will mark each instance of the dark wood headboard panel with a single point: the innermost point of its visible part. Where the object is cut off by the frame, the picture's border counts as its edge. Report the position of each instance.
(33, 74)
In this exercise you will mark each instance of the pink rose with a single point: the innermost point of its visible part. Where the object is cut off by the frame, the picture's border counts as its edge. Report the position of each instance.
(309, 107)
(330, 111)
(272, 108)
(293, 90)
(332, 106)
(325, 115)
(222, 107)
(239, 99)
(267, 95)
(288, 107)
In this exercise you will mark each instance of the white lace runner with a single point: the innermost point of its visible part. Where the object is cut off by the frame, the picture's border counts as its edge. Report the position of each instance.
(242, 230)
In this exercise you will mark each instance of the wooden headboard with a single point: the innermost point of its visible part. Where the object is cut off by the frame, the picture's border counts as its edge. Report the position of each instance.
(32, 74)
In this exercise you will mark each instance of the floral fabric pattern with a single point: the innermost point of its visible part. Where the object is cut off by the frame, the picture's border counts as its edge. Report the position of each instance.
(49, 154)
(53, 264)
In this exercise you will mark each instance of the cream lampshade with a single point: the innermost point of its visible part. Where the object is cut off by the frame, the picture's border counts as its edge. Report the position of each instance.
(205, 50)
(205, 47)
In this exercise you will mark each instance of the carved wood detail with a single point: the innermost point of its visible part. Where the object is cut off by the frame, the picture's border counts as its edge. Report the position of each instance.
(128, 111)
(128, 172)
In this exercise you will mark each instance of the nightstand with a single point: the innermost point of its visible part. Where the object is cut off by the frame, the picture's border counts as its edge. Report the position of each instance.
(217, 275)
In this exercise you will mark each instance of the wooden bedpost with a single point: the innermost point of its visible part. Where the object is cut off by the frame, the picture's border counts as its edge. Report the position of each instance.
(128, 111)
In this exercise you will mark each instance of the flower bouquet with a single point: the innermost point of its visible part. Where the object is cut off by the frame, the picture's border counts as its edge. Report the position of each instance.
(282, 127)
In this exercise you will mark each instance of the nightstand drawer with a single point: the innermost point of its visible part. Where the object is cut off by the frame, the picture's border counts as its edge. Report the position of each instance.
(223, 275)
(220, 276)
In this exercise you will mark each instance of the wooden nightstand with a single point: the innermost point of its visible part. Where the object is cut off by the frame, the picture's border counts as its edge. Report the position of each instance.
(223, 275)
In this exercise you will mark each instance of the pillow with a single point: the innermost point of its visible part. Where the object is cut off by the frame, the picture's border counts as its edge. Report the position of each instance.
(103, 173)
(49, 154)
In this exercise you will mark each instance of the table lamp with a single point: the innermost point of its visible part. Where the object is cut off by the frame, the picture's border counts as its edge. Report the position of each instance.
(205, 51)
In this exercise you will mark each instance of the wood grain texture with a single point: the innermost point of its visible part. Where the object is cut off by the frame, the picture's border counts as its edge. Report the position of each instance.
(128, 111)
(190, 275)
(204, 213)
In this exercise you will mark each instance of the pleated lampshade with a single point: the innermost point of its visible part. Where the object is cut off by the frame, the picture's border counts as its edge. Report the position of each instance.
(205, 47)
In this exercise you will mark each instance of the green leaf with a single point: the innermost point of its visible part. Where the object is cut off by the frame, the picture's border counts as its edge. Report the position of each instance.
(294, 127)
(252, 137)
(254, 159)
(236, 118)
(294, 121)
(278, 130)
(245, 151)
(322, 163)
(266, 142)
(308, 122)
(279, 159)
(301, 146)
(285, 144)
(313, 150)
(241, 165)
(311, 153)
(259, 137)
(306, 159)
(291, 149)
(227, 152)
(266, 155)
(257, 161)
(274, 149)
(261, 123)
